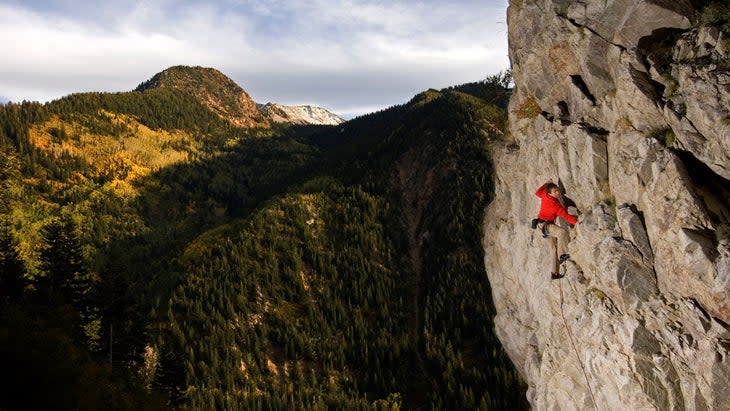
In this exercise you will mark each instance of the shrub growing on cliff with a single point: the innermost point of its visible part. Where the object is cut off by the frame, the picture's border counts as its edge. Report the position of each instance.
(717, 13)
(665, 136)
(723, 231)
(528, 109)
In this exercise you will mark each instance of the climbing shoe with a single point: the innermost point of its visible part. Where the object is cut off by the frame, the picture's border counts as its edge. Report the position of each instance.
(556, 276)
(563, 257)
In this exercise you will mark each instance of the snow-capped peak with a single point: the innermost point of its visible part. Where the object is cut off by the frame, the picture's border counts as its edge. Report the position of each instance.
(303, 114)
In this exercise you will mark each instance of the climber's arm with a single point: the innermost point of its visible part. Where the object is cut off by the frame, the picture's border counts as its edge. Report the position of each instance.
(562, 212)
(541, 190)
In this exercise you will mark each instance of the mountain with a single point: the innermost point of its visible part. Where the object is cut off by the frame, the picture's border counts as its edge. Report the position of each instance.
(627, 105)
(230, 102)
(300, 115)
(214, 90)
(157, 255)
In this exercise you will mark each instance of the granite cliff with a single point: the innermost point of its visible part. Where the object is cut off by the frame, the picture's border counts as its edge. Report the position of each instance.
(627, 103)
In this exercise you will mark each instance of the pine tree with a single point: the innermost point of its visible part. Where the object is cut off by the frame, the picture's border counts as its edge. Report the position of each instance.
(119, 319)
(12, 268)
(62, 262)
(9, 174)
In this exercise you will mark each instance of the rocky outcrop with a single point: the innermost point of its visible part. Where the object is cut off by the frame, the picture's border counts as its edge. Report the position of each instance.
(628, 104)
(301, 115)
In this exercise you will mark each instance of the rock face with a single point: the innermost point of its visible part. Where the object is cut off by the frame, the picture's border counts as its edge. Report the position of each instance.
(279, 113)
(627, 102)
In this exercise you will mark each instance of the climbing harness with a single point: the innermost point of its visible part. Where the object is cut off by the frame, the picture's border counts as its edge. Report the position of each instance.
(572, 342)
(543, 225)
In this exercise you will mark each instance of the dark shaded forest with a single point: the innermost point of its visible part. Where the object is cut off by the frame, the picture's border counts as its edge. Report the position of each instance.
(155, 257)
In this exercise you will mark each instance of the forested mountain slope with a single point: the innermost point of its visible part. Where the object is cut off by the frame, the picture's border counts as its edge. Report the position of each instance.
(162, 257)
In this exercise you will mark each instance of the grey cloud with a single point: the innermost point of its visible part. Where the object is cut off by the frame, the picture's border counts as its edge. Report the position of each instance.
(347, 59)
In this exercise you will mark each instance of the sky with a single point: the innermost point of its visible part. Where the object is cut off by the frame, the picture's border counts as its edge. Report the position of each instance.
(349, 56)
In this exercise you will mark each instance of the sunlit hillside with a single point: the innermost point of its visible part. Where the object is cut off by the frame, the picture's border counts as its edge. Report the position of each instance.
(183, 261)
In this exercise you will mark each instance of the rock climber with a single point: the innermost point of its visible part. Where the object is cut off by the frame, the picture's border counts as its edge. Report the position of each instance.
(551, 208)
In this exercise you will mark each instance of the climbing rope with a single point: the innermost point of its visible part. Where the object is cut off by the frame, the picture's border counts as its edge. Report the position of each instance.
(572, 342)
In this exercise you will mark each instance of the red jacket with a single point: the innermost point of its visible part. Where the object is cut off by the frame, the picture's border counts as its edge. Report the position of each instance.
(550, 207)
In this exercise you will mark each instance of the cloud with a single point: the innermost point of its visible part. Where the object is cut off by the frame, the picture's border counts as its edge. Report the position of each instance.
(344, 55)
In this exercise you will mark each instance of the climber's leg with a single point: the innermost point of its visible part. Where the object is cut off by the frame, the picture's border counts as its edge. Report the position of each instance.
(555, 273)
(563, 238)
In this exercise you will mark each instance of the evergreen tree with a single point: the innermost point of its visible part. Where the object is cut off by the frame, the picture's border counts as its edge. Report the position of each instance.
(12, 268)
(122, 332)
(9, 173)
(62, 262)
